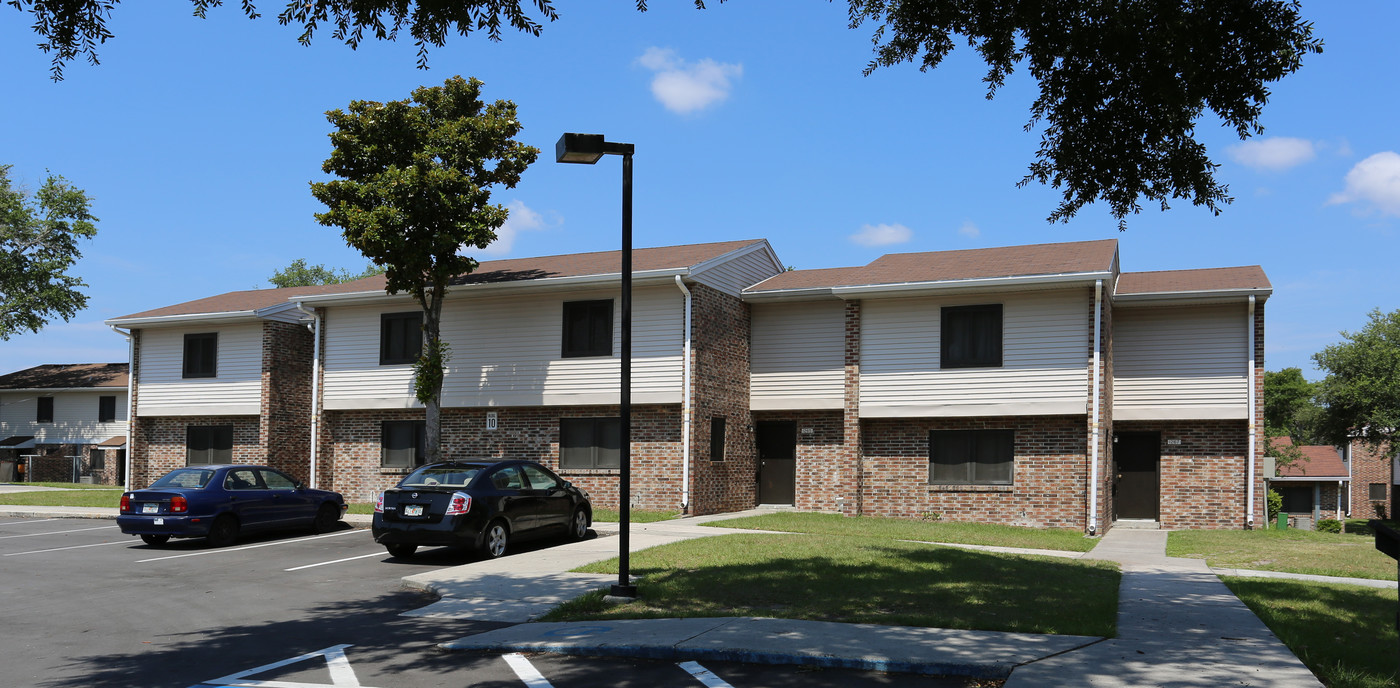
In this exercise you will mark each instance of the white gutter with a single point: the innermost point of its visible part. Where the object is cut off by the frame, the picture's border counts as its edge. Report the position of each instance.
(603, 280)
(904, 288)
(315, 385)
(685, 404)
(130, 377)
(1094, 420)
(1249, 515)
(181, 319)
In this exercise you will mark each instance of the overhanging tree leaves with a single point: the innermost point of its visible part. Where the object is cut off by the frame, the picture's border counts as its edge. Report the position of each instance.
(1362, 388)
(38, 245)
(299, 274)
(414, 190)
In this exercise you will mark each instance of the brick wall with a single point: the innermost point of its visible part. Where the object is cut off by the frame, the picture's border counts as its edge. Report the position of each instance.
(285, 405)
(850, 462)
(162, 442)
(720, 351)
(824, 472)
(1369, 465)
(1260, 486)
(1202, 479)
(1104, 494)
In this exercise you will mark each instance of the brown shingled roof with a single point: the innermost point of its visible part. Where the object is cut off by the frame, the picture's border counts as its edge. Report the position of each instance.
(70, 376)
(1208, 279)
(251, 300)
(1323, 462)
(942, 266)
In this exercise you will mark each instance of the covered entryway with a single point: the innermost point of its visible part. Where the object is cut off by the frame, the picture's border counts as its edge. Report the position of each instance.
(777, 461)
(1137, 484)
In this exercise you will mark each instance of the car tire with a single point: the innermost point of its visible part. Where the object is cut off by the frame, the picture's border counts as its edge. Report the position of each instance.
(578, 525)
(223, 532)
(327, 518)
(495, 540)
(401, 551)
(155, 540)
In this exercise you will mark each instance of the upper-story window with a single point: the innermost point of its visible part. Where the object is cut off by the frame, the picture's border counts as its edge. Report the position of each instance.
(45, 410)
(400, 337)
(970, 337)
(588, 328)
(201, 355)
(106, 409)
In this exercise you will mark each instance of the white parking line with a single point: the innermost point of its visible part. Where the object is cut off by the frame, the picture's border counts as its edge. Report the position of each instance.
(60, 549)
(40, 520)
(526, 671)
(337, 561)
(704, 675)
(240, 549)
(56, 532)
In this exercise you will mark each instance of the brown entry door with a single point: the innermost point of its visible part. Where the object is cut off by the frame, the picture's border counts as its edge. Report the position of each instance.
(1138, 456)
(777, 461)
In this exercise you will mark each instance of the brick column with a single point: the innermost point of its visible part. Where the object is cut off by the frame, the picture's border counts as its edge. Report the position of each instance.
(850, 419)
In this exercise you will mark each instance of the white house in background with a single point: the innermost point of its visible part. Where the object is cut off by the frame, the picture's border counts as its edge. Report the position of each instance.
(64, 423)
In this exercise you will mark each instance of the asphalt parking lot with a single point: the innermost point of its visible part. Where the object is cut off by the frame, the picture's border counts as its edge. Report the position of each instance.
(84, 605)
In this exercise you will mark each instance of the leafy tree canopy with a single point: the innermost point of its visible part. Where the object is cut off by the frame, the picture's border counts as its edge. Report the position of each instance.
(1290, 406)
(299, 274)
(39, 238)
(1122, 84)
(1362, 388)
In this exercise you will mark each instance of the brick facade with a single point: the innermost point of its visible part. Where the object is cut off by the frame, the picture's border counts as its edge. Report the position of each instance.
(1202, 479)
(1370, 466)
(720, 351)
(824, 470)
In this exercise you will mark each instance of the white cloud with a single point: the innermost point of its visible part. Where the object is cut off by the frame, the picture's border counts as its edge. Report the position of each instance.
(685, 87)
(1274, 154)
(1375, 180)
(521, 219)
(970, 230)
(882, 235)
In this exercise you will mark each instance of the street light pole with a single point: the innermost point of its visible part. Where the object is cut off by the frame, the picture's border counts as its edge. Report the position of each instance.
(587, 149)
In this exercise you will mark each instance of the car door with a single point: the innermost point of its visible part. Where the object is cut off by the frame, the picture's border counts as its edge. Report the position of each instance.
(290, 506)
(554, 504)
(512, 502)
(249, 498)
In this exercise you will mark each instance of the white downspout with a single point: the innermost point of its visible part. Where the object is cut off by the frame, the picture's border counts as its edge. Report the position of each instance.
(315, 386)
(1253, 430)
(1094, 420)
(685, 404)
(130, 377)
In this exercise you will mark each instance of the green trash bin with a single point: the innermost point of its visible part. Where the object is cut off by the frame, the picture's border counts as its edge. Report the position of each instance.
(1282, 523)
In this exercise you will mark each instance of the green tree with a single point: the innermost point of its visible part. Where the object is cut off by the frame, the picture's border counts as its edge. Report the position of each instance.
(1290, 406)
(39, 238)
(1362, 388)
(299, 274)
(414, 191)
(1122, 84)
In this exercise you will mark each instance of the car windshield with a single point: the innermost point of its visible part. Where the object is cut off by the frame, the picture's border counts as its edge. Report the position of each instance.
(195, 478)
(443, 476)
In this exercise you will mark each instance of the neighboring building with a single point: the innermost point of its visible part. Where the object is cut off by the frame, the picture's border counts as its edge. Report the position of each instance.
(1033, 385)
(1314, 488)
(64, 423)
(1373, 476)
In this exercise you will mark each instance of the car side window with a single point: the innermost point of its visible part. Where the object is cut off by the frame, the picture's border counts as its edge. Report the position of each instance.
(241, 479)
(507, 478)
(538, 479)
(277, 481)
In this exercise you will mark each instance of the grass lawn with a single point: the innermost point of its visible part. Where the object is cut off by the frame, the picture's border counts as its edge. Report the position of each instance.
(72, 486)
(635, 516)
(1293, 551)
(861, 580)
(920, 531)
(108, 497)
(1344, 633)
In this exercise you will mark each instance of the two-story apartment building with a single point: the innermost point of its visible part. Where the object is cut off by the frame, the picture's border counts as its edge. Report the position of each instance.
(64, 423)
(1035, 385)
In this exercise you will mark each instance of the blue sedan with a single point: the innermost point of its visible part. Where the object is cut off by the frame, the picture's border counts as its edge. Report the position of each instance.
(220, 502)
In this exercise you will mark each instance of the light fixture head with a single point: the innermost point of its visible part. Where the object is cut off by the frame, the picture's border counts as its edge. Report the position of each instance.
(584, 149)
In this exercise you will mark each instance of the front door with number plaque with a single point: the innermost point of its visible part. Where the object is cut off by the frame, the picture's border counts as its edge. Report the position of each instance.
(777, 461)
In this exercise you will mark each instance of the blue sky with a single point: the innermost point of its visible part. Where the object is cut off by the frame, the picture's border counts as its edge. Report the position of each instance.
(197, 140)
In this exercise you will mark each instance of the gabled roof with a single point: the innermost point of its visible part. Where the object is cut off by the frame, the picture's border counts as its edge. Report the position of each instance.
(1243, 280)
(69, 376)
(1323, 462)
(1045, 262)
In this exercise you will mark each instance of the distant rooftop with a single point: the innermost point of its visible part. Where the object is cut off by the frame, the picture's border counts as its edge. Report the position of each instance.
(67, 376)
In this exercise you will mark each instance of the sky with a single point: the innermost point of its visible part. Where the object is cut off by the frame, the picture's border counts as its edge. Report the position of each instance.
(197, 140)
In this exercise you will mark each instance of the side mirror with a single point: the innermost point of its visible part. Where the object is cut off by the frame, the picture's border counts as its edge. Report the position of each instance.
(299, 485)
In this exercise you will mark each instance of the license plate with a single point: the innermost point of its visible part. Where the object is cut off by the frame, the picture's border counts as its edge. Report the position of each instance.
(150, 508)
(413, 510)
(158, 521)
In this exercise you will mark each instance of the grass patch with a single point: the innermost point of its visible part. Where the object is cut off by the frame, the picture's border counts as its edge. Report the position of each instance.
(1291, 551)
(365, 508)
(1344, 633)
(108, 498)
(861, 580)
(921, 531)
(635, 516)
(71, 486)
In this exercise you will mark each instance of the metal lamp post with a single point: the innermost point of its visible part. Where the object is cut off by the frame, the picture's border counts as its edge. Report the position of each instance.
(587, 149)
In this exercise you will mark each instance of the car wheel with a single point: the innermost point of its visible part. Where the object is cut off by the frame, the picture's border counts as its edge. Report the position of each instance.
(493, 543)
(224, 531)
(401, 551)
(578, 525)
(155, 539)
(327, 518)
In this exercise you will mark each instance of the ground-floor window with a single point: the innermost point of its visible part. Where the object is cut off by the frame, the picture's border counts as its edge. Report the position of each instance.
(96, 459)
(209, 444)
(402, 443)
(1297, 499)
(971, 457)
(590, 442)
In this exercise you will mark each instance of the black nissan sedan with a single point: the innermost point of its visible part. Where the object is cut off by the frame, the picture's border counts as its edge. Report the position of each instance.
(479, 504)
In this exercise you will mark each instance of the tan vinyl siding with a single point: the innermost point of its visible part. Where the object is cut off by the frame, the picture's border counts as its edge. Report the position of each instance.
(235, 391)
(1180, 363)
(1045, 345)
(735, 275)
(506, 351)
(798, 355)
(74, 416)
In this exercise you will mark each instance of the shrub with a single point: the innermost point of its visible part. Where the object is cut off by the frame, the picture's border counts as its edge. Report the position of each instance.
(1329, 525)
(1275, 504)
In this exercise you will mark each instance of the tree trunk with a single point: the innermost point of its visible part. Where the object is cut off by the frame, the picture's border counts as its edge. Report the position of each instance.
(432, 326)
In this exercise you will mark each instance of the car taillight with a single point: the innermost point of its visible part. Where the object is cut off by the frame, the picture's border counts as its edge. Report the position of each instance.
(178, 505)
(379, 503)
(461, 503)
(126, 503)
